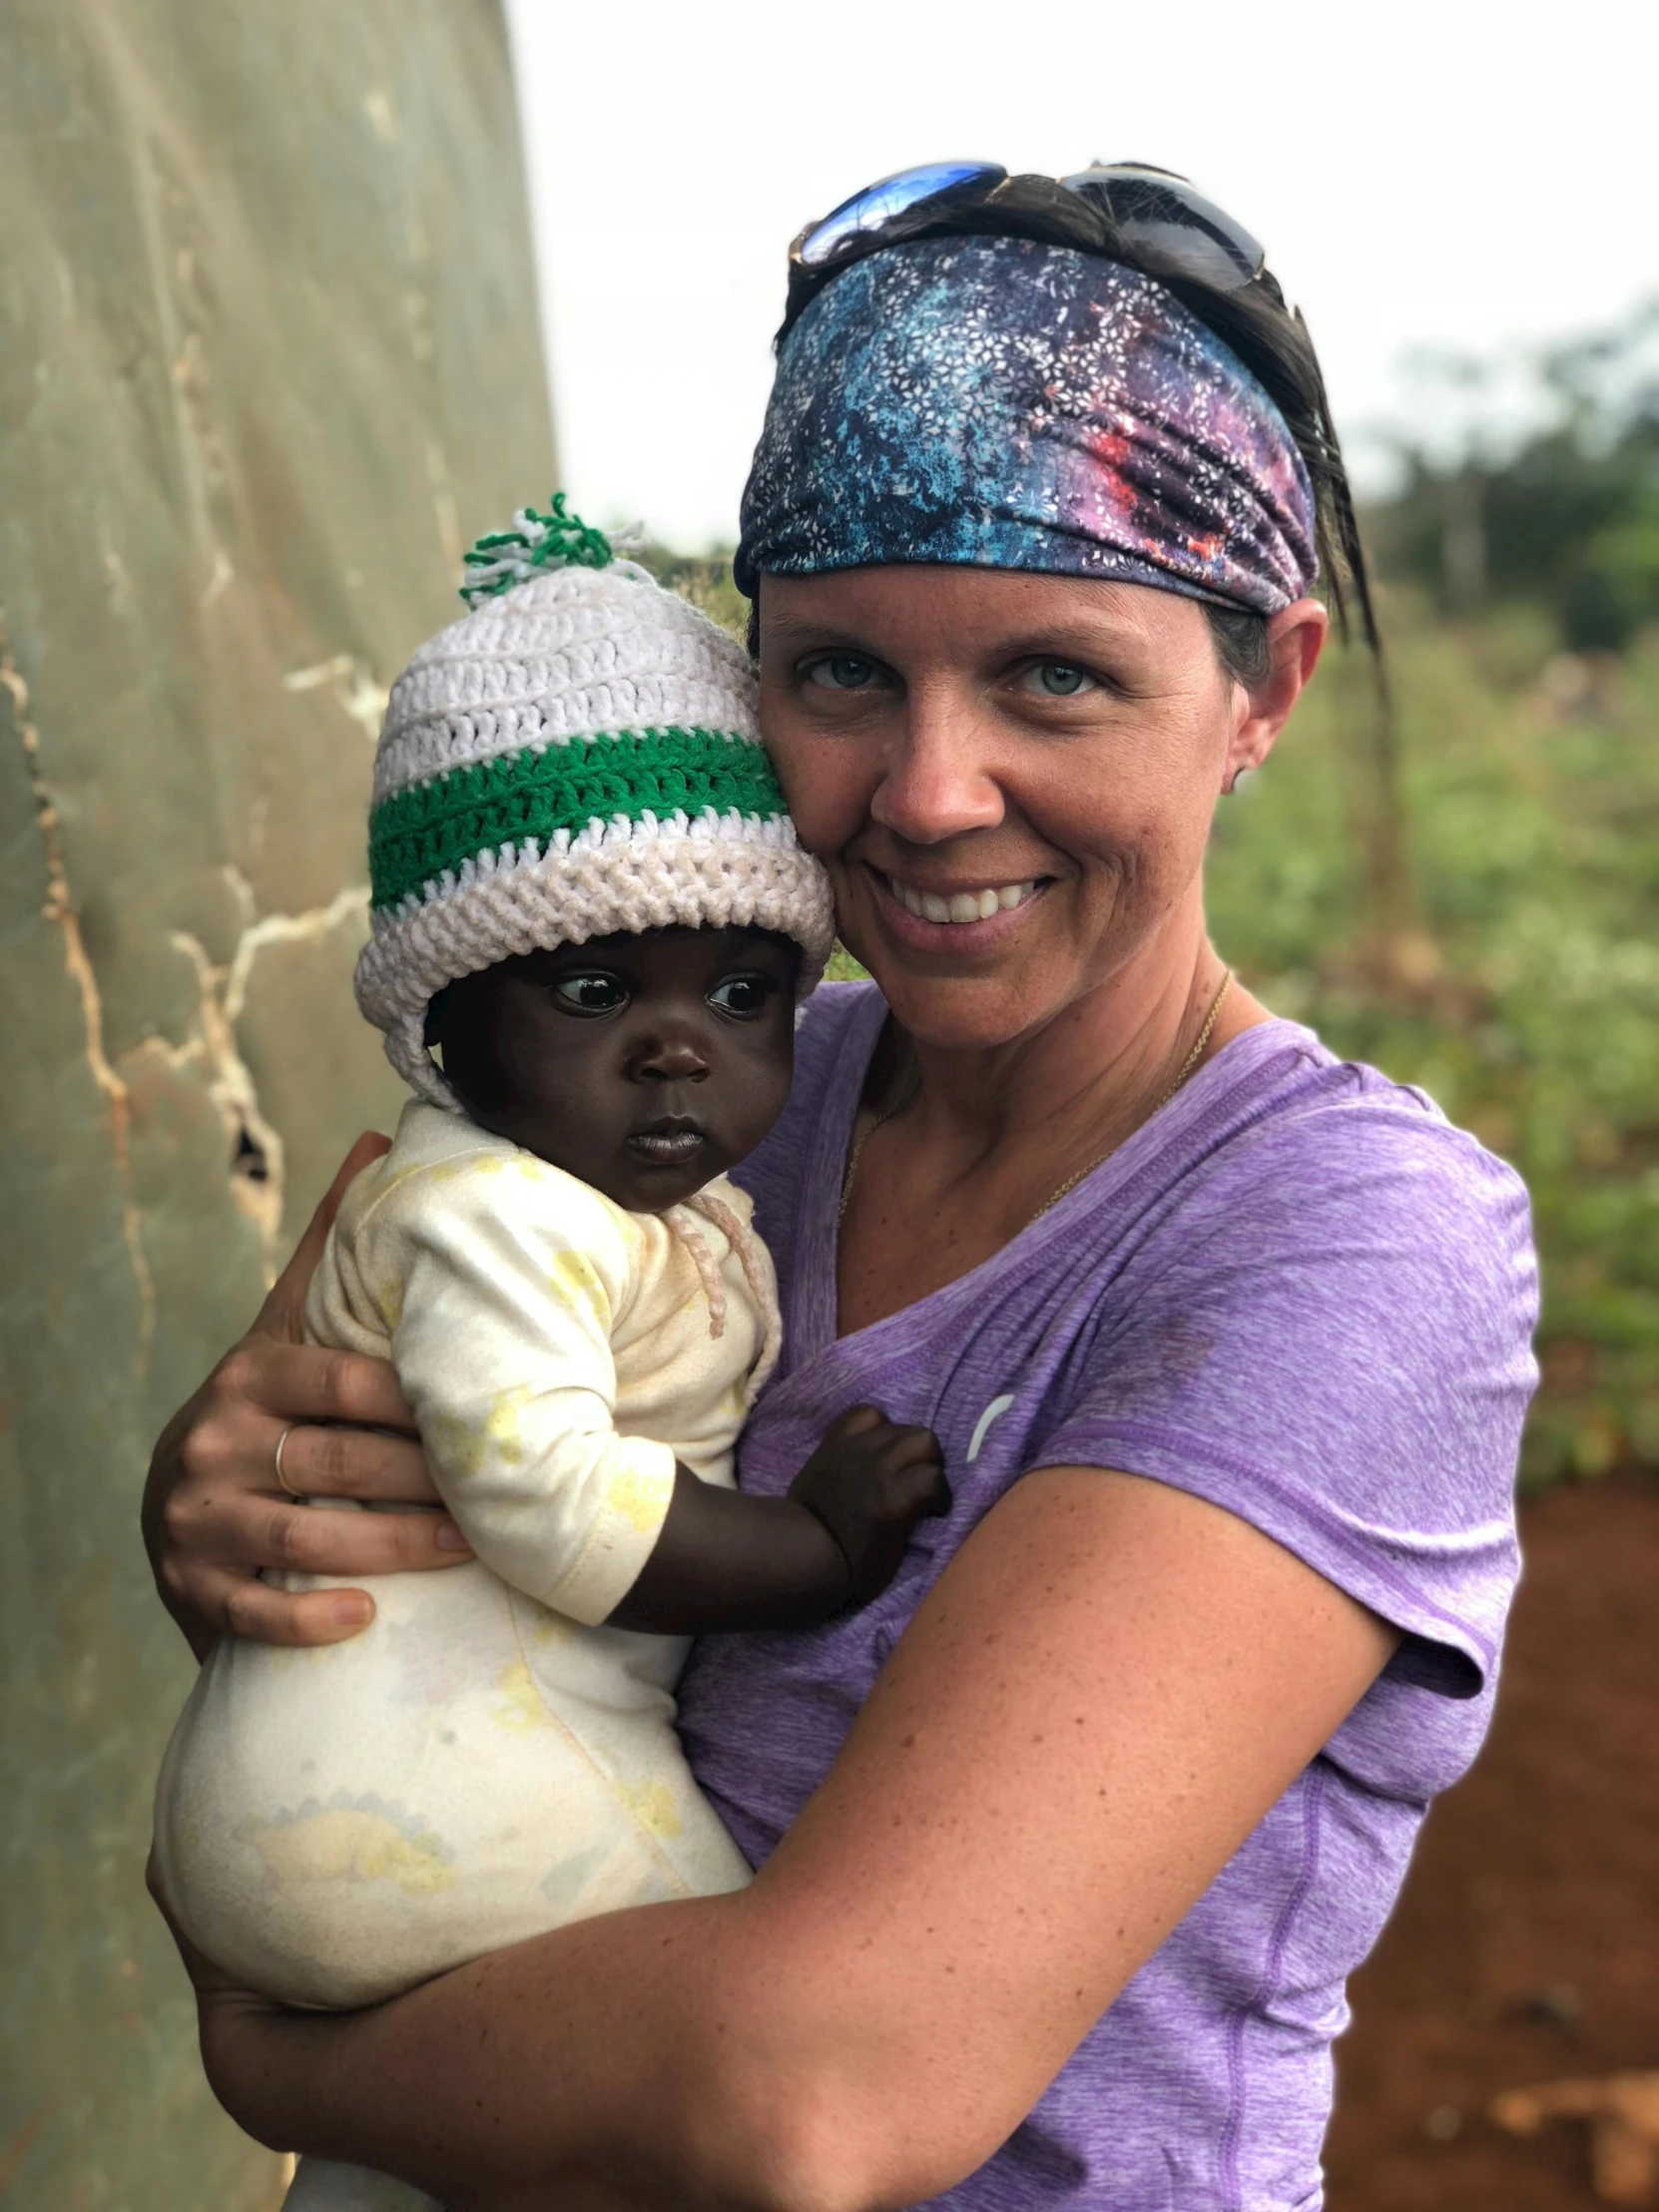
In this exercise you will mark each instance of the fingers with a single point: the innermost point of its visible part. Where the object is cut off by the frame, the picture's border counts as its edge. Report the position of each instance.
(285, 1305)
(363, 1464)
(916, 1491)
(856, 1421)
(213, 1514)
(232, 1533)
(210, 1602)
(907, 1447)
(295, 1618)
(306, 1382)
(898, 1446)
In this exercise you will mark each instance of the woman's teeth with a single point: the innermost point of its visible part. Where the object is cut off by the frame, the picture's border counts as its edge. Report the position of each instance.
(961, 905)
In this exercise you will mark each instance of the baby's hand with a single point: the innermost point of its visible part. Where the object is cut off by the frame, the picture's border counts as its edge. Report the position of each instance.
(870, 1482)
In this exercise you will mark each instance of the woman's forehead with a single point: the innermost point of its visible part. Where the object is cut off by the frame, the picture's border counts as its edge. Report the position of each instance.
(984, 609)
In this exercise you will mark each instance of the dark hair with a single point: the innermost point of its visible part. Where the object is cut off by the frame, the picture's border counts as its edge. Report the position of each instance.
(1239, 637)
(1270, 338)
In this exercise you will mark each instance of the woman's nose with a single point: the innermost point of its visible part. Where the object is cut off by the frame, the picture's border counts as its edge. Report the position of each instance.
(935, 782)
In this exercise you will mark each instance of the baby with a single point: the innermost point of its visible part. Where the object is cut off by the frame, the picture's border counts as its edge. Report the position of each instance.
(589, 899)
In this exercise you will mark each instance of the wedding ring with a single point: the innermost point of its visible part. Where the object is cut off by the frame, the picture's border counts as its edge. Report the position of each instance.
(281, 1478)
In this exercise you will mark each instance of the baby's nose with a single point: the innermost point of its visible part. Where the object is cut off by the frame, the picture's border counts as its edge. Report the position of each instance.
(671, 1060)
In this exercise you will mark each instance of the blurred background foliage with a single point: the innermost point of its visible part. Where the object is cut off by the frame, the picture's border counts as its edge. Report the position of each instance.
(1520, 985)
(1468, 894)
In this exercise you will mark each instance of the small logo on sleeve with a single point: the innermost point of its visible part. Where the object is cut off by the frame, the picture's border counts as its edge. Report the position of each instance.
(981, 1428)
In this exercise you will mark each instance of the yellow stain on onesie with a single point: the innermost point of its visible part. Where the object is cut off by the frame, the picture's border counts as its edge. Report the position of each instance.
(389, 1297)
(469, 1163)
(462, 1446)
(504, 1425)
(525, 1707)
(634, 1498)
(341, 1845)
(654, 1806)
(458, 1445)
(576, 1279)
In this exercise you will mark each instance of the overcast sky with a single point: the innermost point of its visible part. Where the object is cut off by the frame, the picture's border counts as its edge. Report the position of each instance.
(1466, 177)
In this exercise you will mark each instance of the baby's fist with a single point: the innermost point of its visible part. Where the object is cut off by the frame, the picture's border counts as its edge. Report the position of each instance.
(869, 1482)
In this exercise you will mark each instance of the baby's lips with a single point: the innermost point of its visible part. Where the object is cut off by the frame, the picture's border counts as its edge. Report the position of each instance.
(667, 1144)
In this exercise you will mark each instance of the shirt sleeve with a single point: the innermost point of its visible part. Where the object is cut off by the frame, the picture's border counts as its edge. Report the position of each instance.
(1334, 1344)
(501, 1283)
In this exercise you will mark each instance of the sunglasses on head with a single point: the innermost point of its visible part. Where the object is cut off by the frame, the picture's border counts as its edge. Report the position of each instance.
(1151, 214)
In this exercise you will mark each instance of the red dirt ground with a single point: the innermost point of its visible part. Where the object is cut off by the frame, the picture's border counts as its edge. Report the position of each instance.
(1526, 1944)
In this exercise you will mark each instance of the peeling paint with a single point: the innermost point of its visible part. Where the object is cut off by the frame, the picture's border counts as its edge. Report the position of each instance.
(353, 684)
(61, 910)
(254, 1144)
(231, 497)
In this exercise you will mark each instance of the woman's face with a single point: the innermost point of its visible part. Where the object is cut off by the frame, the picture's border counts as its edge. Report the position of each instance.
(1009, 777)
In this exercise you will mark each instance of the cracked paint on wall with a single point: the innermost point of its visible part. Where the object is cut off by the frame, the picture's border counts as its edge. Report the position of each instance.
(268, 357)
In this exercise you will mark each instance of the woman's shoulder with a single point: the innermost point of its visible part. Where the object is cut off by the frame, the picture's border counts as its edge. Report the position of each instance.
(1299, 1131)
(1316, 1310)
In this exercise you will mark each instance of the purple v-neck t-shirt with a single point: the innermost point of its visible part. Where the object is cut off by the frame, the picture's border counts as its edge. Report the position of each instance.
(1297, 1292)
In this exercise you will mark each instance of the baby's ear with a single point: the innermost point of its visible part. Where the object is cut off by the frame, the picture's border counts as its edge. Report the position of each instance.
(433, 1033)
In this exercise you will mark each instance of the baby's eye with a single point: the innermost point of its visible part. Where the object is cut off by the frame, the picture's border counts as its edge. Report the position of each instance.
(590, 994)
(1058, 680)
(840, 672)
(744, 995)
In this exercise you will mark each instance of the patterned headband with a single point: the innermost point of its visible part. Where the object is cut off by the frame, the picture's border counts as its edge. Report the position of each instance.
(1002, 403)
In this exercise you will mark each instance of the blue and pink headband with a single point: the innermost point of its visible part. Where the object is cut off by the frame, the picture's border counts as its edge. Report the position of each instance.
(1003, 403)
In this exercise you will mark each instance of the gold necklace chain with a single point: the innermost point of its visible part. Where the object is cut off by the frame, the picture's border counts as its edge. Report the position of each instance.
(1186, 1068)
(908, 1092)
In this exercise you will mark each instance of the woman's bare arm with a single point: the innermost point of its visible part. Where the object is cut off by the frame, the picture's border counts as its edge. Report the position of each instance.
(213, 1514)
(1106, 1692)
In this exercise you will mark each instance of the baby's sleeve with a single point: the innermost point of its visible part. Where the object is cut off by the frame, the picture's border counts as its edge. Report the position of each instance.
(501, 1282)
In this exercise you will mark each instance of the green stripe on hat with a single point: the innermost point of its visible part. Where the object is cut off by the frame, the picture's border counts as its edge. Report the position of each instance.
(417, 835)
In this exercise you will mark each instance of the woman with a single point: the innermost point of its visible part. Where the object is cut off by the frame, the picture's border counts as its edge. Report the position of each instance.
(1069, 1842)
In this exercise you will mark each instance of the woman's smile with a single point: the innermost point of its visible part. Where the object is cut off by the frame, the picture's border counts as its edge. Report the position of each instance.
(954, 905)
(953, 915)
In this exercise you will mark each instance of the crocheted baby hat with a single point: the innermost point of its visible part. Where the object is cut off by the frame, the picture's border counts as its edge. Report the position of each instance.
(578, 754)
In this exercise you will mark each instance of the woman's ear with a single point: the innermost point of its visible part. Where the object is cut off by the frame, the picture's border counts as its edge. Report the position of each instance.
(1295, 639)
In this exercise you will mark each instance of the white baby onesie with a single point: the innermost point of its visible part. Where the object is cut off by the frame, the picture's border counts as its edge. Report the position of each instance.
(485, 1762)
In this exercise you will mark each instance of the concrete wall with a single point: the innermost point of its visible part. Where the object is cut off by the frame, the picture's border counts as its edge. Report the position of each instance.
(269, 359)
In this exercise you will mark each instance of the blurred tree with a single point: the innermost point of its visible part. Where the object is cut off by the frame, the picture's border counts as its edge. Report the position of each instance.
(1563, 513)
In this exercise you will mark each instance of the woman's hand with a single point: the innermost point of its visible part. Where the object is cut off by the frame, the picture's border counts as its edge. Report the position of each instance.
(214, 1511)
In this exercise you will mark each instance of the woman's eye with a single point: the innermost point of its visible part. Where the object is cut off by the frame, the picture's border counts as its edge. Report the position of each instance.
(591, 994)
(745, 995)
(842, 672)
(1058, 679)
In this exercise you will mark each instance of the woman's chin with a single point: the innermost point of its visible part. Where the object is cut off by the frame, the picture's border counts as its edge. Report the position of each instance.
(967, 1014)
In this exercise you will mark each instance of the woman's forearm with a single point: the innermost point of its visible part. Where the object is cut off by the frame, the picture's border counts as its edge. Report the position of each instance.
(1111, 1685)
(586, 2063)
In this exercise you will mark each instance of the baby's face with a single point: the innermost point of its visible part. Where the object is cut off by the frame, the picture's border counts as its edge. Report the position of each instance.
(644, 1065)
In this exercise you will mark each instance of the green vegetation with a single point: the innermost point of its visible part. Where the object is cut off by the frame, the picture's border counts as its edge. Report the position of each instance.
(1562, 514)
(1521, 986)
